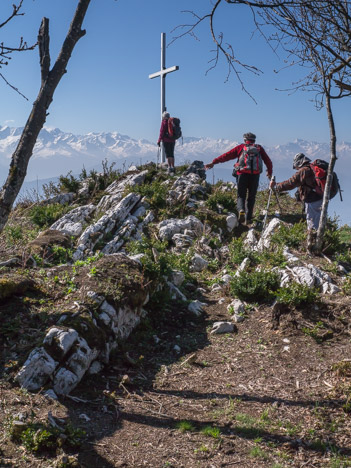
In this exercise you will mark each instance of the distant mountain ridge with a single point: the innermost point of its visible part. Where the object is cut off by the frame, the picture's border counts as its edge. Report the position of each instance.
(57, 152)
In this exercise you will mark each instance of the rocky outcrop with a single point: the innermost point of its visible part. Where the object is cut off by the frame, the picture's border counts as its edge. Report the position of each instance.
(106, 313)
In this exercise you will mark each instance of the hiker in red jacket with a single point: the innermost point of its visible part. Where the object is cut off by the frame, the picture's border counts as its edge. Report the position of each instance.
(167, 141)
(248, 169)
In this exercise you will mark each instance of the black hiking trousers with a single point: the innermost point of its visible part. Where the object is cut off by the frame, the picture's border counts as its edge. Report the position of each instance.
(169, 148)
(247, 189)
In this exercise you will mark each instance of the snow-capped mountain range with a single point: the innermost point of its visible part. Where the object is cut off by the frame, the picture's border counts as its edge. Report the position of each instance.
(57, 152)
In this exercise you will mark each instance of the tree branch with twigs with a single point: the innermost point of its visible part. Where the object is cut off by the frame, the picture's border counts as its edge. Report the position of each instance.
(50, 78)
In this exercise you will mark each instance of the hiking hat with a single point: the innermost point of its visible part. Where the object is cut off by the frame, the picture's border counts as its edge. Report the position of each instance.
(300, 160)
(165, 115)
(249, 136)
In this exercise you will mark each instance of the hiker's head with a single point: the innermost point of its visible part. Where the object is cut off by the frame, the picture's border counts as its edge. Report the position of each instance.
(165, 115)
(249, 137)
(300, 160)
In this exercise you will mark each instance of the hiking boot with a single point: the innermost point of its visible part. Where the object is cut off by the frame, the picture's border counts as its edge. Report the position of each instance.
(311, 240)
(241, 217)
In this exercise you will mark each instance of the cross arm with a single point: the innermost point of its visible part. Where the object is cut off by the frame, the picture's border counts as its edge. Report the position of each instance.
(164, 72)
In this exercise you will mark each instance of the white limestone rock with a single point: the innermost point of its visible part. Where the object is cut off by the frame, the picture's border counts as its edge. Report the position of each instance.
(127, 320)
(72, 223)
(232, 222)
(65, 381)
(175, 292)
(107, 223)
(292, 259)
(61, 198)
(198, 263)
(265, 241)
(169, 227)
(177, 277)
(37, 370)
(79, 362)
(196, 307)
(223, 327)
(250, 240)
(226, 279)
(243, 266)
(59, 341)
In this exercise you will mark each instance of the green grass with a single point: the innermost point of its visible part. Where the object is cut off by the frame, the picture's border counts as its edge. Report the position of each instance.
(211, 431)
(185, 426)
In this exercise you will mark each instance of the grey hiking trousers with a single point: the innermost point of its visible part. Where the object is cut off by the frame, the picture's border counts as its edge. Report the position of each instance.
(313, 214)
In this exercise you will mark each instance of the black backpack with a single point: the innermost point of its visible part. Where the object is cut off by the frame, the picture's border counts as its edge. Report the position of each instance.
(174, 129)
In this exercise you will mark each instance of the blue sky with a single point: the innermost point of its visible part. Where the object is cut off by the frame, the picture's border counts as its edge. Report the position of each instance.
(107, 88)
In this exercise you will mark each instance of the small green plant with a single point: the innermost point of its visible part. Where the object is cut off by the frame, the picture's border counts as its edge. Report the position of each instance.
(93, 271)
(257, 452)
(290, 235)
(39, 437)
(155, 193)
(13, 234)
(342, 368)
(255, 286)
(68, 183)
(339, 462)
(225, 199)
(238, 251)
(346, 286)
(211, 431)
(296, 294)
(314, 332)
(60, 255)
(185, 426)
(203, 448)
(45, 215)
(333, 240)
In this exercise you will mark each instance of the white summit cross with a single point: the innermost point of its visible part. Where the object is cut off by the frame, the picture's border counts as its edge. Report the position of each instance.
(162, 74)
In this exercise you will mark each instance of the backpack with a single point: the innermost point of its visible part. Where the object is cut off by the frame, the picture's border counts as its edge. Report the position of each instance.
(174, 129)
(250, 160)
(320, 169)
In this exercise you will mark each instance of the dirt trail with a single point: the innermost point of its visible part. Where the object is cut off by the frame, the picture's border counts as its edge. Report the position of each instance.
(255, 398)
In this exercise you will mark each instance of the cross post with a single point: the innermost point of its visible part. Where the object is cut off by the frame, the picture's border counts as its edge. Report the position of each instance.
(162, 74)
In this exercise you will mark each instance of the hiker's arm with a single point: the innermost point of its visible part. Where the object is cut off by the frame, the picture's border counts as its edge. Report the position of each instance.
(232, 154)
(162, 131)
(293, 182)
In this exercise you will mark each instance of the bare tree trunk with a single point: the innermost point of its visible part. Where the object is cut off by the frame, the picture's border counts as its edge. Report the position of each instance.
(324, 215)
(49, 81)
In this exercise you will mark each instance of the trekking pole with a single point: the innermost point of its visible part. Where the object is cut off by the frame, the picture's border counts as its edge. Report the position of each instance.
(340, 192)
(269, 201)
(277, 198)
(158, 157)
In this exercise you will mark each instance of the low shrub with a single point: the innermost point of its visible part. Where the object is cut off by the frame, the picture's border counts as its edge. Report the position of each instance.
(238, 251)
(296, 294)
(155, 193)
(256, 286)
(45, 215)
(290, 235)
(225, 199)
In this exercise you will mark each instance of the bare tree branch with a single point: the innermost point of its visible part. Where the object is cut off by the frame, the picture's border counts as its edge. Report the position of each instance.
(36, 120)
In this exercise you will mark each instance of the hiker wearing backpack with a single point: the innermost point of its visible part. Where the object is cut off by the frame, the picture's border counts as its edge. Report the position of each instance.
(247, 170)
(310, 179)
(170, 131)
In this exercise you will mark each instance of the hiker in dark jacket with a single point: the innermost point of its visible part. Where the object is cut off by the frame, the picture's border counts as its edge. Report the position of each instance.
(167, 141)
(247, 176)
(305, 180)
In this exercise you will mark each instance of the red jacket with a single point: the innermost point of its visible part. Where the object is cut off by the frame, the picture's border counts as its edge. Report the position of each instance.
(164, 133)
(236, 152)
